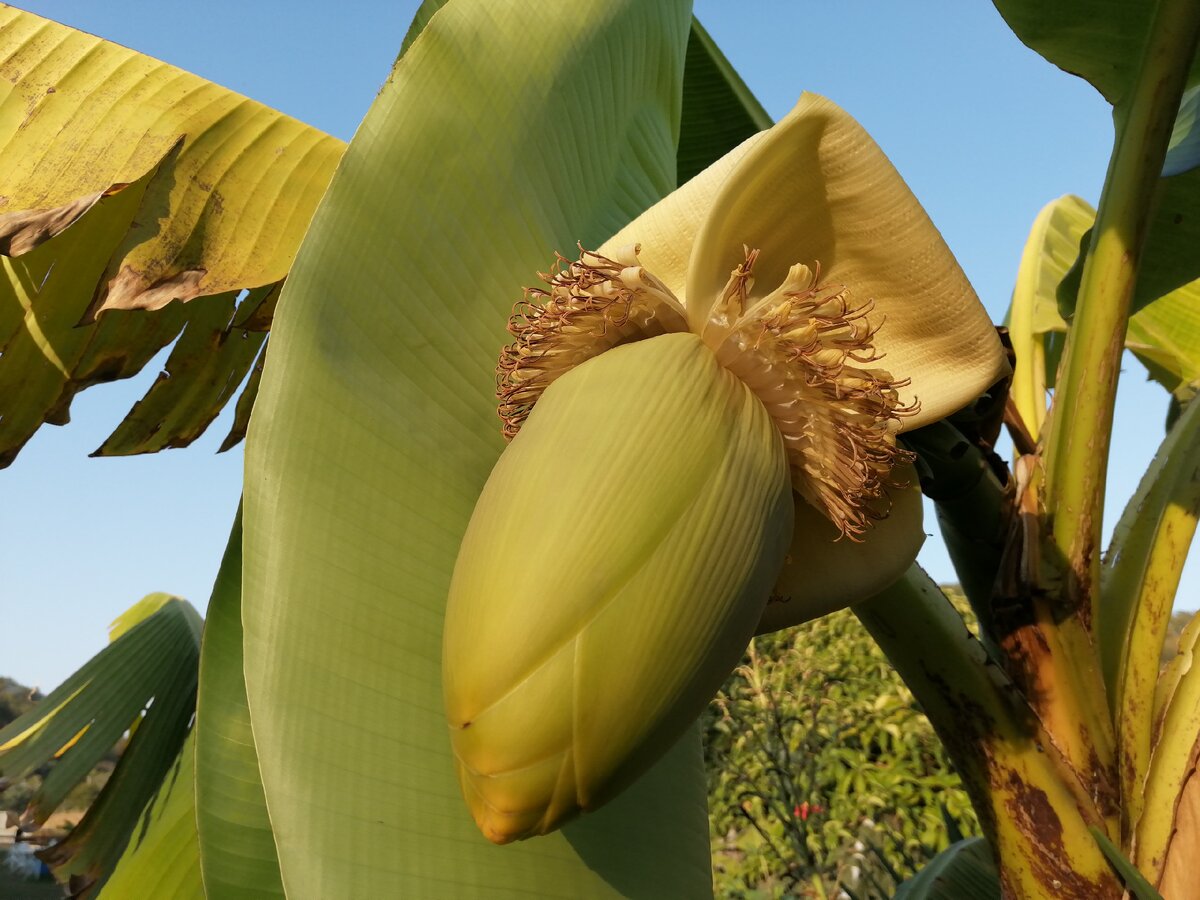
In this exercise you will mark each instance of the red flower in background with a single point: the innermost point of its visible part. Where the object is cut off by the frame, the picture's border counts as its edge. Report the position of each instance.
(803, 810)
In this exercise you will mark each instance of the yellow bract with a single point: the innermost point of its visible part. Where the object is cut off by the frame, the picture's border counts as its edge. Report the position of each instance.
(612, 573)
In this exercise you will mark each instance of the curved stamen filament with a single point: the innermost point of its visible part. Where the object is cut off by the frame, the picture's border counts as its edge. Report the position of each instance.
(805, 349)
(588, 306)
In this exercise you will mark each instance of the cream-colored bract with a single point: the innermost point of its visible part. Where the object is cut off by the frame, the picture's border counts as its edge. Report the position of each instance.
(614, 568)
(816, 188)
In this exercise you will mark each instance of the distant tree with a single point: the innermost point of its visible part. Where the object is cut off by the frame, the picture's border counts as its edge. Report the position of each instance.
(15, 699)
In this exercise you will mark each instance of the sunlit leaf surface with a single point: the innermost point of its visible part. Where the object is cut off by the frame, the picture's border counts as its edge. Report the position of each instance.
(126, 184)
(376, 427)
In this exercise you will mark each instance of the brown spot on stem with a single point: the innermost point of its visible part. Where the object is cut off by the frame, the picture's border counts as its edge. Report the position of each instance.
(1035, 816)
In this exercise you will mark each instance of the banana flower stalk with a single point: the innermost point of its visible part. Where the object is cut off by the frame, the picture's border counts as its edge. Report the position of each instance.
(703, 415)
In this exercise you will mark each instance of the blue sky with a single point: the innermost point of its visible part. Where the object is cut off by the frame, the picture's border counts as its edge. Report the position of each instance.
(983, 129)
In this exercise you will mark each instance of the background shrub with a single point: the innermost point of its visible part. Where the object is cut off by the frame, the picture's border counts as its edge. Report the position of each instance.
(825, 779)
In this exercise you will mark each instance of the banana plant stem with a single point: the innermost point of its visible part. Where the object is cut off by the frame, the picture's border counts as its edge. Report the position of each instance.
(1081, 418)
(1036, 821)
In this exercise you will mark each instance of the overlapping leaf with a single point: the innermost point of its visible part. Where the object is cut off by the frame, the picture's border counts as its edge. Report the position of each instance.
(963, 871)
(126, 184)
(375, 428)
(146, 677)
(719, 111)
(1098, 40)
(237, 846)
(162, 859)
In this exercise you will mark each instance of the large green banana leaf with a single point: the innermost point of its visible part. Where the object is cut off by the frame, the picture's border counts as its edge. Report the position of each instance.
(508, 130)
(144, 681)
(1101, 41)
(134, 184)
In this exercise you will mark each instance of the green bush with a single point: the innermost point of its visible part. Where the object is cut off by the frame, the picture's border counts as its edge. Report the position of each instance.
(824, 776)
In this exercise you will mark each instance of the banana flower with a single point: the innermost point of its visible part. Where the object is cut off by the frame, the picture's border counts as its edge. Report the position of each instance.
(703, 415)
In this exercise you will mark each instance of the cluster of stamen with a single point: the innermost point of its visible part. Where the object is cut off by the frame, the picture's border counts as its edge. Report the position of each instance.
(588, 306)
(806, 350)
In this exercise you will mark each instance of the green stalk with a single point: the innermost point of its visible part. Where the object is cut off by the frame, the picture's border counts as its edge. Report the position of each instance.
(1139, 580)
(972, 512)
(1078, 432)
(1081, 419)
(1035, 819)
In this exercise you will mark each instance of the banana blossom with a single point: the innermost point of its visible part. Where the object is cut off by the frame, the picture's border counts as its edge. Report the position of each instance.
(703, 416)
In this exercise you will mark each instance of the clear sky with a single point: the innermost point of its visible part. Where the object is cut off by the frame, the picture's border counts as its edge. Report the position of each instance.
(983, 129)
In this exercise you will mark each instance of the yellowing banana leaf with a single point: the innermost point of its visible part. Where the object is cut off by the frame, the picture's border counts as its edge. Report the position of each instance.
(1165, 335)
(376, 427)
(145, 677)
(237, 846)
(1139, 580)
(217, 348)
(963, 871)
(162, 859)
(134, 184)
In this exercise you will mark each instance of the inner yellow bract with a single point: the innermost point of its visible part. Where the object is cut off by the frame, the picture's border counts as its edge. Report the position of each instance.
(806, 350)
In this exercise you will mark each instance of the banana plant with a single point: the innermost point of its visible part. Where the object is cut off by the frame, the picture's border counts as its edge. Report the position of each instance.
(437, 629)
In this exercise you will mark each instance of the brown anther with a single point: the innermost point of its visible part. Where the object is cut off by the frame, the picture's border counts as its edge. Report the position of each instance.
(838, 418)
(588, 306)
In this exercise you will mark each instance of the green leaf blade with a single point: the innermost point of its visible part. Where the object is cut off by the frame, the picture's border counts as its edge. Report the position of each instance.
(375, 428)
(719, 110)
(237, 844)
(162, 859)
